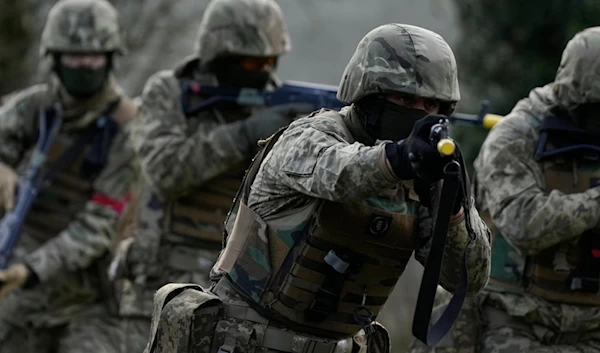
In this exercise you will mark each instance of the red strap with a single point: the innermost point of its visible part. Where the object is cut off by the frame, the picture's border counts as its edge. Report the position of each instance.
(117, 205)
(596, 253)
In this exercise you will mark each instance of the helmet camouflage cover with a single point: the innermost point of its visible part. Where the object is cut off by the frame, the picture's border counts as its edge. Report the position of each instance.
(82, 26)
(242, 27)
(578, 76)
(401, 58)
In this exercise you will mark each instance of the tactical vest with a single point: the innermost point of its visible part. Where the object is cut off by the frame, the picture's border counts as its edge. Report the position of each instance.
(325, 269)
(68, 190)
(565, 273)
(197, 218)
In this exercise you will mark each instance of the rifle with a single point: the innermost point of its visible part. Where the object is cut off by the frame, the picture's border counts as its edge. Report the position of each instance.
(319, 95)
(443, 195)
(29, 184)
(482, 118)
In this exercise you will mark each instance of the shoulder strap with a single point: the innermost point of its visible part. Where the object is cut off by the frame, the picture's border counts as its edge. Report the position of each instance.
(244, 190)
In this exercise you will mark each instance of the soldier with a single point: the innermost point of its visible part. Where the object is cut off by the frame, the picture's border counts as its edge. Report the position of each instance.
(536, 175)
(328, 215)
(50, 294)
(193, 160)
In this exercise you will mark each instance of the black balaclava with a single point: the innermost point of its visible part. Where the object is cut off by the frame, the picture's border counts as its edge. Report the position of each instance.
(229, 72)
(385, 120)
(82, 82)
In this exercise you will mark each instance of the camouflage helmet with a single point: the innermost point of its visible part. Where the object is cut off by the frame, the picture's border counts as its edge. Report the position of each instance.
(401, 58)
(577, 79)
(82, 26)
(242, 27)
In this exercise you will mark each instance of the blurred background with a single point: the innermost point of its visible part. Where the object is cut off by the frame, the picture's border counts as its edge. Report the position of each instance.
(503, 49)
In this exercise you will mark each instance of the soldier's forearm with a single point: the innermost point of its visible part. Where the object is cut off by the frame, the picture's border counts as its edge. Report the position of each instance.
(534, 220)
(173, 163)
(477, 253)
(85, 240)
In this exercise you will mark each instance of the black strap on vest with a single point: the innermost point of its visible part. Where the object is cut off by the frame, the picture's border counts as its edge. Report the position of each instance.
(559, 135)
(455, 180)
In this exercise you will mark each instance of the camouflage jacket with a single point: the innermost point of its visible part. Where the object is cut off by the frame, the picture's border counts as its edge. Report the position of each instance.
(314, 159)
(177, 155)
(510, 185)
(89, 235)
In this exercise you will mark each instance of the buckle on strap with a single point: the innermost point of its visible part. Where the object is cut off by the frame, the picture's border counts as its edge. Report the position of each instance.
(228, 346)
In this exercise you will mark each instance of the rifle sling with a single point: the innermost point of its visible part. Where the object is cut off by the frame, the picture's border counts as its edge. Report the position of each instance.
(431, 273)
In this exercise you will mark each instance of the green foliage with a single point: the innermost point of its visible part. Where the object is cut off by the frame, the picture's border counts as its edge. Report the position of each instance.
(509, 47)
(15, 38)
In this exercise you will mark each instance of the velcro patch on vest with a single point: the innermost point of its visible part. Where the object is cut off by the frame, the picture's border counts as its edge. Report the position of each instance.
(379, 225)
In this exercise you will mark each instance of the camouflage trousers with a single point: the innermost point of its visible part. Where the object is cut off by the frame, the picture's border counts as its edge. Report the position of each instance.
(188, 319)
(484, 329)
(94, 330)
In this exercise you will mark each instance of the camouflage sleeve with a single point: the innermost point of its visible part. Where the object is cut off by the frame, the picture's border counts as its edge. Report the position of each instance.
(172, 158)
(478, 251)
(17, 124)
(314, 158)
(90, 234)
(510, 185)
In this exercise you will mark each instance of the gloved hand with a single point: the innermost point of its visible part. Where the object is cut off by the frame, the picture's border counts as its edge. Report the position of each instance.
(8, 185)
(15, 277)
(415, 157)
(265, 123)
(423, 190)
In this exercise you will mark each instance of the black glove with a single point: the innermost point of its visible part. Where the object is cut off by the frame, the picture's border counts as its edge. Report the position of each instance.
(265, 123)
(415, 157)
(423, 190)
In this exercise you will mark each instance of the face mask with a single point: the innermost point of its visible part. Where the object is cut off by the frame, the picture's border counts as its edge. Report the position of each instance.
(385, 120)
(241, 78)
(229, 72)
(82, 82)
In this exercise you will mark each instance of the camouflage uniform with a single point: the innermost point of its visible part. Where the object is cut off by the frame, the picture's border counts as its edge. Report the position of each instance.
(69, 228)
(532, 214)
(317, 178)
(191, 165)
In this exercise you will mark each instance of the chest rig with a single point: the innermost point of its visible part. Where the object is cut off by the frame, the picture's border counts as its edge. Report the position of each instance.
(72, 164)
(568, 272)
(325, 269)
